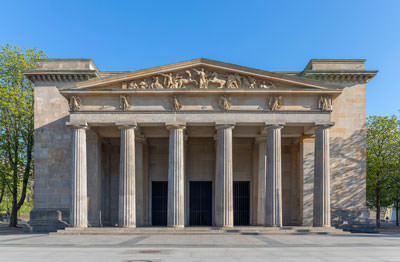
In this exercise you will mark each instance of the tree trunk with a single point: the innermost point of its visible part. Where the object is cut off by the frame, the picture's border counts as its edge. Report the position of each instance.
(378, 206)
(3, 189)
(14, 209)
(397, 213)
(27, 171)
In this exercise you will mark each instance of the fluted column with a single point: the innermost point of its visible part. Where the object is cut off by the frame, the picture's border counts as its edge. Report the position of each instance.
(127, 192)
(322, 199)
(79, 211)
(176, 179)
(274, 177)
(224, 177)
(262, 183)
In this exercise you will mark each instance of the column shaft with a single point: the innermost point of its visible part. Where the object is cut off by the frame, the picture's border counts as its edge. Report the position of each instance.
(274, 177)
(127, 198)
(262, 183)
(307, 148)
(322, 200)
(224, 178)
(79, 212)
(176, 179)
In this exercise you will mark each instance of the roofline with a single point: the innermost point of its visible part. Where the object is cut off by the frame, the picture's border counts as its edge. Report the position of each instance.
(335, 61)
(203, 62)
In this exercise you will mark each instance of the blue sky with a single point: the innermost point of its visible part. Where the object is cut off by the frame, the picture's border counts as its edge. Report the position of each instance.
(270, 35)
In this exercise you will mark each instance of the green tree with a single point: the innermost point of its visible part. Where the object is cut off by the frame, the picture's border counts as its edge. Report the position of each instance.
(382, 161)
(394, 189)
(16, 122)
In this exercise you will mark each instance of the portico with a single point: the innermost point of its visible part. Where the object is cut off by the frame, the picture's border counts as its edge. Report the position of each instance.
(201, 143)
(178, 215)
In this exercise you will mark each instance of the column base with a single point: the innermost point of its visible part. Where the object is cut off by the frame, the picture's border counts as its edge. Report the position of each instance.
(177, 226)
(133, 226)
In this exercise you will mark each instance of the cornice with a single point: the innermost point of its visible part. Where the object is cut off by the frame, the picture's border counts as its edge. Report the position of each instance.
(65, 76)
(119, 91)
(339, 76)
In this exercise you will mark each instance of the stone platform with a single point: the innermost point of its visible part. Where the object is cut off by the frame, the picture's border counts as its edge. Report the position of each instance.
(248, 230)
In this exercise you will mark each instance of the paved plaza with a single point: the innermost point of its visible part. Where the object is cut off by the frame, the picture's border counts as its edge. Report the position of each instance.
(353, 247)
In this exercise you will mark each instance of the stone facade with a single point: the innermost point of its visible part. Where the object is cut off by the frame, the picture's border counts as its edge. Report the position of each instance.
(264, 148)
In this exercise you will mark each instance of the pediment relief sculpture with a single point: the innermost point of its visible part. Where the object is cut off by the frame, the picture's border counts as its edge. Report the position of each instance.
(74, 103)
(274, 102)
(325, 103)
(199, 78)
(123, 103)
(176, 104)
(225, 102)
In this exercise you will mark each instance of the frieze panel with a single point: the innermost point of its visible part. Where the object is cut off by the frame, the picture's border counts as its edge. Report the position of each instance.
(200, 78)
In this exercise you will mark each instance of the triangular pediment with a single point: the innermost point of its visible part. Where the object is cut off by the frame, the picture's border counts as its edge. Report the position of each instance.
(202, 74)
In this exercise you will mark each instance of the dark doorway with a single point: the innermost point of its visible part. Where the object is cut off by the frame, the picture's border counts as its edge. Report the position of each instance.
(200, 203)
(159, 203)
(241, 203)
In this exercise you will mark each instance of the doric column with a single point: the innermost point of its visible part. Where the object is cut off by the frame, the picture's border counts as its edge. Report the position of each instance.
(127, 192)
(176, 179)
(140, 180)
(79, 211)
(262, 183)
(274, 177)
(322, 199)
(224, 177)
(307, 174)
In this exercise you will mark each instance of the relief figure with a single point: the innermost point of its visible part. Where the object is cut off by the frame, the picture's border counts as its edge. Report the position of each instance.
(216, 80)
(202, 78)
(123, 103)
(232, 82)
(74, 103)
(275, 102)
(169, 80)
(225, 102)
(325, 103)
(266, 84)
(253, 82)
(143, 84)
(176, 104)
(182, 82)
(133, 85)
(156, 83)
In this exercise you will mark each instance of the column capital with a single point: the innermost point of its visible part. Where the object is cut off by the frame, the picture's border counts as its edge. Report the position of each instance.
(77, 125)
(324, 125)
(175, 125)
(274, 125)
(224, 125)
(126, 125)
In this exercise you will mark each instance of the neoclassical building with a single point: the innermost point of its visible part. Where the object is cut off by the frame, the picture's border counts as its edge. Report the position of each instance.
(199, 143)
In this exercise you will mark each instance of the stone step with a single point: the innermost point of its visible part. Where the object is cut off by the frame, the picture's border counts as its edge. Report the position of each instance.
(198, 230)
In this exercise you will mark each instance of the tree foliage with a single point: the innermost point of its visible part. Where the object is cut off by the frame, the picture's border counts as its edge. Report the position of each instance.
(383, 151)
(16, 122)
